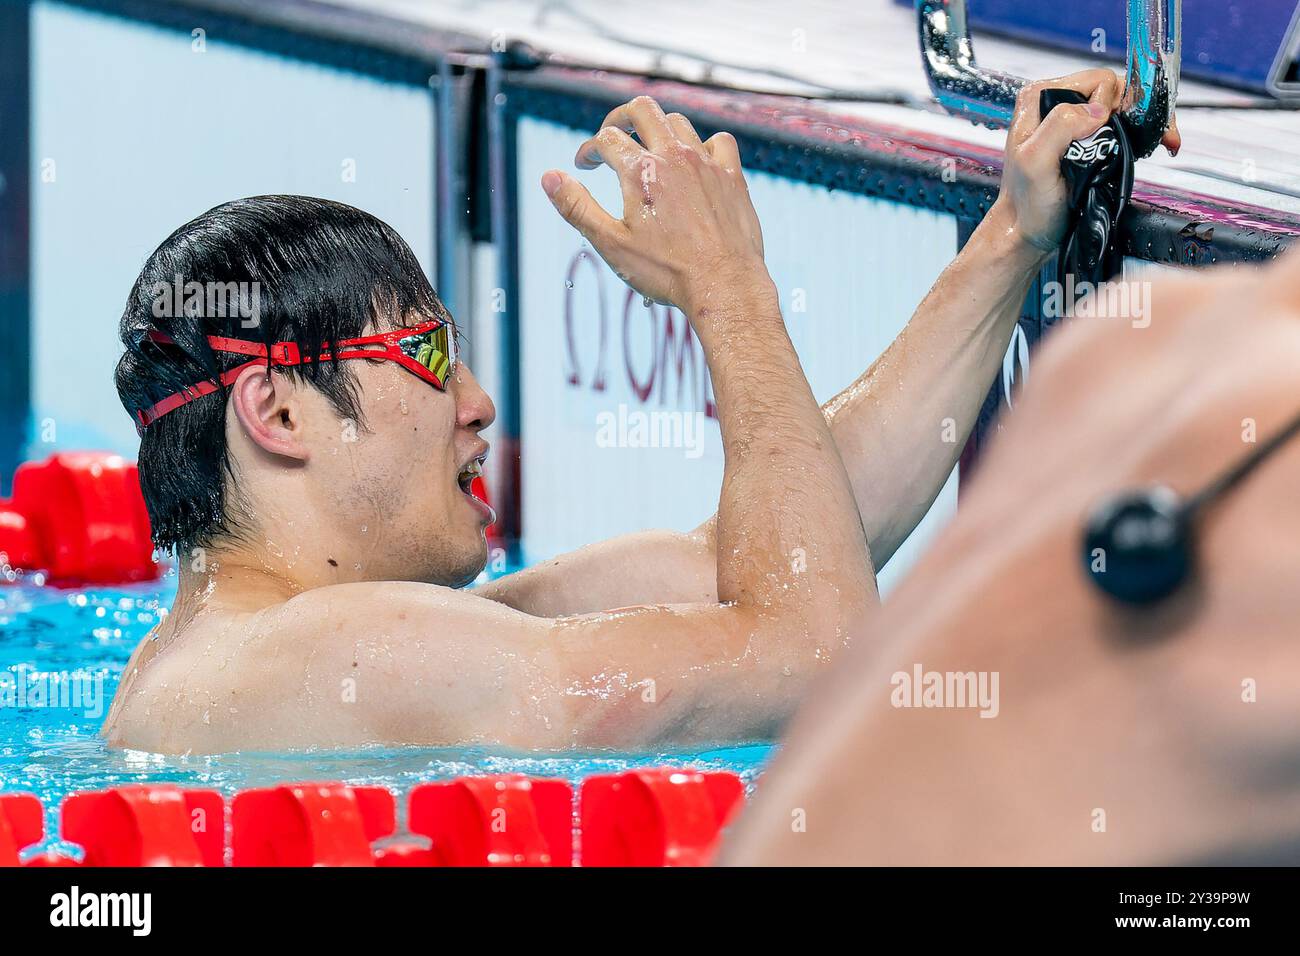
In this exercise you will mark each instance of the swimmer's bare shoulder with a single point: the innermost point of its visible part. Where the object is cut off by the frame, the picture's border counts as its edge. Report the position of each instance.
(342, 665)
(405, 663)
(195, 687)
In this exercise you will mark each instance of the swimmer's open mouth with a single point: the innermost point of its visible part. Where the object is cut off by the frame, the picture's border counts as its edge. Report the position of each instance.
(473, 469)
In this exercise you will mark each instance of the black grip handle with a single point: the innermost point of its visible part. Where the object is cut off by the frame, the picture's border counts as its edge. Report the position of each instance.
(1098, 171)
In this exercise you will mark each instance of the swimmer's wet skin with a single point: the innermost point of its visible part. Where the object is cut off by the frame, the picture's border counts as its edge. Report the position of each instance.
(320, 511)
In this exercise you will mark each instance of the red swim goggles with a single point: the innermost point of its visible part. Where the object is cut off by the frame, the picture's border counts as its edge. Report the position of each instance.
(428, 351)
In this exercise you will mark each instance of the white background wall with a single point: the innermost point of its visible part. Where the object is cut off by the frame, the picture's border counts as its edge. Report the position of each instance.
(857, 266)
(140, 134)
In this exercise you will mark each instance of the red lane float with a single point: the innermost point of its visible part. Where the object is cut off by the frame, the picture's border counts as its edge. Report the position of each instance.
(507, 820)
(147, 826)
(656, 817)
(22, 823)
(18, 544)
(659, 817)
(79, 516)
(406, 855)
(51, 859)
(310, 824)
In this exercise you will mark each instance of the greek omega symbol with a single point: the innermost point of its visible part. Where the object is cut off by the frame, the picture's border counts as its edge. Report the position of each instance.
(574, 373)
(1095, 148)
(661, 355)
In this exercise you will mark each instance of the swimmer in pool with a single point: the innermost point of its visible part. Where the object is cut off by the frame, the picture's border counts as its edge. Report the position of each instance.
(1123, 735)
(318, 504)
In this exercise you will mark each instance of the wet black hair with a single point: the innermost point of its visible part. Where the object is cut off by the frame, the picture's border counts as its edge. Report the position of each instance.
(321, 271)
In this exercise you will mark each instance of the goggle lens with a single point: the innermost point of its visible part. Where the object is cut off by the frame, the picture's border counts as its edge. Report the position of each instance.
(436, 350)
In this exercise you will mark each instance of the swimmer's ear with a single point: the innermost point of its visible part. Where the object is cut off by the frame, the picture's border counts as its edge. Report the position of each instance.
(268, 408)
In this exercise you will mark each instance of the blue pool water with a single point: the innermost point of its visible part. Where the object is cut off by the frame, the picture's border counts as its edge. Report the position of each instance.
(51, 747)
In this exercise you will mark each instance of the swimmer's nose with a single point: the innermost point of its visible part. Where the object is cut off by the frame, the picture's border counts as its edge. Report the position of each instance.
(474, 409)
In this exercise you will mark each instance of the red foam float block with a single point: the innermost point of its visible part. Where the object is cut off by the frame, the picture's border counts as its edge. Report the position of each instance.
(22, 823)
(406, 854)
(505, 820)
(86, 511)
(656, 817)
(51, 859)
(147, 826)
(310, 824)
(19, 547)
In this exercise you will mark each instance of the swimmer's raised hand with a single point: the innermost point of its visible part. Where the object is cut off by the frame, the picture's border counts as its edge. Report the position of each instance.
(688, 228)
(1033, 198)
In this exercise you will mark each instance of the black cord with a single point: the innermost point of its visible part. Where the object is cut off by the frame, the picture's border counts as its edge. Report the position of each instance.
(1225, 482)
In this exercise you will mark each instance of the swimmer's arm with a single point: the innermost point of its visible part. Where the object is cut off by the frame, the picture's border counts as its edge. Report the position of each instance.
(640, 568)
(790, 552)
(901, 426)
(426, 665)
(789, 540)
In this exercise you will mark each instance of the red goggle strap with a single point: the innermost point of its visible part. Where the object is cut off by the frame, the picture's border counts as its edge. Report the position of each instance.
(196, 391)
(281, 354)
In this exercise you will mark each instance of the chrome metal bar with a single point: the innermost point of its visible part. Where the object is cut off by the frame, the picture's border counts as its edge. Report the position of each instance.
(961, 87)
(986, 96)
(1154, 63)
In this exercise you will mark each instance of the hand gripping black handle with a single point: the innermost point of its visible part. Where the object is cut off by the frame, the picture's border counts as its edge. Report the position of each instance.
(1098, 174)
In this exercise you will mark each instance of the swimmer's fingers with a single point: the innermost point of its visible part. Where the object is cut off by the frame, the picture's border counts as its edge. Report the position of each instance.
(611, 146)
(573, 202)
(644, 117)
(1041, 153)
(726, 153)
(1101, 86)
(722, 147)
(1173, 139)
(685, 132)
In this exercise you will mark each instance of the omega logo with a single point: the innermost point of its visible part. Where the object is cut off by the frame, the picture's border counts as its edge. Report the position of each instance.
(659, 351)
